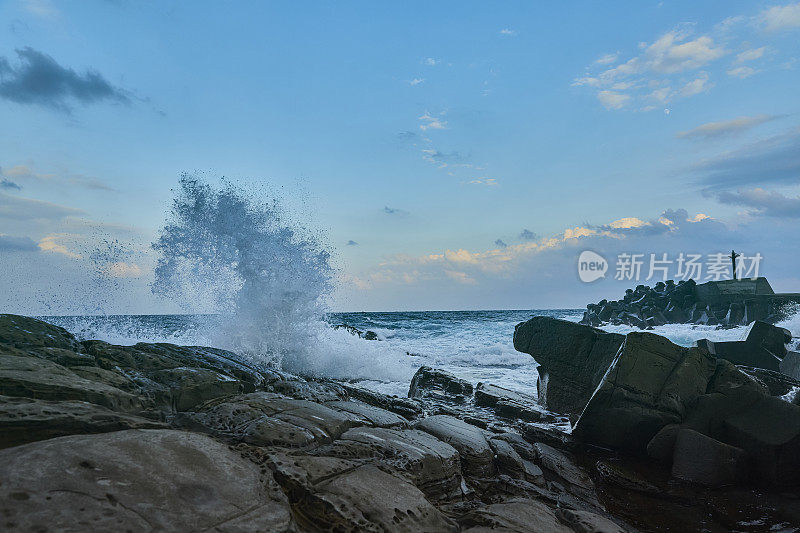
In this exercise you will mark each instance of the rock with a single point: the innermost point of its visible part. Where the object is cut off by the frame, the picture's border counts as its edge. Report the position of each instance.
(267, 419)
(649, 385)
(23, 332)
(790, 365)
(774, 383)
(375, 416)
(313, 391)
(573, 360)
(769, 431)
(563, 465)
(587, 522)
(701, 459)
(338, 496)
(430, 464)
(763, 347)
(476, 454)
(507, 459)
(618, 474)
(438, 384)
(109, 377)
(405, 407)
(516, 515)
(661, 446)
(510, 404)
(25, 420)
(193, 386)
(137, 480)
(370, 336)
(735, 314)
(44, 380)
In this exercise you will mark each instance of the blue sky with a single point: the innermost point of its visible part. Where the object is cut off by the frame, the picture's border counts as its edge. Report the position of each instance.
(453, 155)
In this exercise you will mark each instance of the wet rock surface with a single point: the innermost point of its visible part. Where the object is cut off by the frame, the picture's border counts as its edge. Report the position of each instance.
(162, 437)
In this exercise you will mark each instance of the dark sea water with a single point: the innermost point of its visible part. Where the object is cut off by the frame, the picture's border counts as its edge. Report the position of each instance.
(474, 345)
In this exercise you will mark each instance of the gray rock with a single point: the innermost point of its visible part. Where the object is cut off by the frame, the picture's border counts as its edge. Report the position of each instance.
(430, 464)
(437, 383)
(31, 377)
(587, 522)
(23, 332)
(25, 420)
(573, 360)
(769, 431)
(510, 404)
(521, 515)
(375, 416)
(763, 347)
(650, 384)
(265, 419)
(137, 480)
(563, 465)
(661, 446)
(192, 386)
(701, 459)
(476, 454)
(790, 365)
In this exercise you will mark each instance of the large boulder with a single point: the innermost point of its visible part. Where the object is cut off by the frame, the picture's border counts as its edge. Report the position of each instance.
(701, 459)
(518, 515)
(790, 365)
(29, 333)
(137, 480)
(650, 384)
(764, 347)
(510, 404)
(438, 384)
(573, 359)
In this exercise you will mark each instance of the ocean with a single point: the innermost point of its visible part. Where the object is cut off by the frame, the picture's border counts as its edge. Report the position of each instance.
(474, 345)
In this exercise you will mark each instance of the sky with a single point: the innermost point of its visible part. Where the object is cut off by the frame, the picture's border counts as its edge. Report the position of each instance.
(451, 155)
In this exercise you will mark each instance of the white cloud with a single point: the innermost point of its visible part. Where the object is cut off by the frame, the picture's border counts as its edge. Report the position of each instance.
(722, 128)
(50, 244)
(778, 18)
(751, 54)
(491, 182)
(432, 123)
(507, 31)
(430, 61)
(416, 81)
(696, 86)
(121, 269)
(612, 99)
(741, 72)
(607, 59)
(669, 55)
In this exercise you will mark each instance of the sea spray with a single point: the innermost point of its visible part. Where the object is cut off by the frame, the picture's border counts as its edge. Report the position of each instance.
(262, 279)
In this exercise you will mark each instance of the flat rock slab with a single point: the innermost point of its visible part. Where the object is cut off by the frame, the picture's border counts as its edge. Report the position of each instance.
(36, 378)
(510, 404)
(375, 416)
(430, 464)
(573, 360)
(651, 383)
(24, 420)
(137, 480)
(476, 454)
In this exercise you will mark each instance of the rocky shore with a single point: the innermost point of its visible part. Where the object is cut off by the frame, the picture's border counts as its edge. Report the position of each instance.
(628, 433)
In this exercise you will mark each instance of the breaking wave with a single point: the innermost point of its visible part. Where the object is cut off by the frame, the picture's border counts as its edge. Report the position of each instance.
(263, 280)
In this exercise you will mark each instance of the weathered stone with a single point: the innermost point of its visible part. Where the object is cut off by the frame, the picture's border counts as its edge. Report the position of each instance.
(109, 377)
(510, 404)
(507, 459)
(313, 391)
(193, 386)
(763, 347)
(790, 365)
(44, 380)
(563, 465)
(429, 381)
(516, 515)
(476, 454)
(375, 416)
(587, 522)
(25, 420)
(573, 360)
(362, 498)
(24, 332)
(773, 383)
(662, 444)
(650, 384)
(264, 419)
(405, 407)
(137, 480)
(618, 474)
(428, 463)
(701, 459)
(769, 431)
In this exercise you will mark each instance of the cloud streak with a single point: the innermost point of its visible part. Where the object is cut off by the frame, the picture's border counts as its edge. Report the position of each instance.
(724, 128)
(38, 79)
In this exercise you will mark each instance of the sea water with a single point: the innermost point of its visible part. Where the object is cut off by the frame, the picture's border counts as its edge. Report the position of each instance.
(474, 345)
